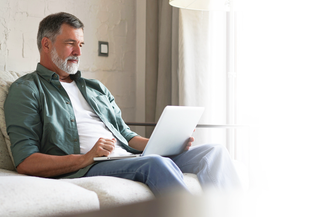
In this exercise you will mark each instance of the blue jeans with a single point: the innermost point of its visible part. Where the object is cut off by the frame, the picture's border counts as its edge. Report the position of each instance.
(211, 163)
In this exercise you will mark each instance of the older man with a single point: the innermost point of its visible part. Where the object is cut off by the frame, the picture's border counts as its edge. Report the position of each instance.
(59, 121)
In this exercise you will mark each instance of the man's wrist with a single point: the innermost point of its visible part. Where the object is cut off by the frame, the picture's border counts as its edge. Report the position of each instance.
(84, 160)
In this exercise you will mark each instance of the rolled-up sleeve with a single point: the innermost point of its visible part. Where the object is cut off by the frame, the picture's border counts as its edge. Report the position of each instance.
(24, 125)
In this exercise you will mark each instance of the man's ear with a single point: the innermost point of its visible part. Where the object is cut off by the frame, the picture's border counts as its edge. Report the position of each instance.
(46, 44)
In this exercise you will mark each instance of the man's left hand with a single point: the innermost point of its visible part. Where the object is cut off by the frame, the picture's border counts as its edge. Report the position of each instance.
(189, 144)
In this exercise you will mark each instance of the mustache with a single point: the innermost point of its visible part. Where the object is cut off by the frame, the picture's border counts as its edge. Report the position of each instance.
(72, 58)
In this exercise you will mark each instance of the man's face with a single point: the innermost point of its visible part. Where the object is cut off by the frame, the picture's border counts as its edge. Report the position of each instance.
(66, 49)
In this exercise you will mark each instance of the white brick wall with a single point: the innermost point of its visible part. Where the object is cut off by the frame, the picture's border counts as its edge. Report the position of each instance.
(104, 20)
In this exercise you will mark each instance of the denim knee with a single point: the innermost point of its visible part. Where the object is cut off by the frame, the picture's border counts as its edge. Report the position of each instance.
(158, 161)
(219, 148)
(162, 164)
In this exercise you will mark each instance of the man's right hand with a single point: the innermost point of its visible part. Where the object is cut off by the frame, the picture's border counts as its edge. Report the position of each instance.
(103, 147)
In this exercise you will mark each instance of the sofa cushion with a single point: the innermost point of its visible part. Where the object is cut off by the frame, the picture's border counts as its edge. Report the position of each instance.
(192, 183)
(4, 172)
(6, 79)
(32, 196)
(114, 191)
(5, 159)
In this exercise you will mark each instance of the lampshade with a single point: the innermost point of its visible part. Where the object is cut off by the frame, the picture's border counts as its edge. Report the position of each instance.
(203, 5)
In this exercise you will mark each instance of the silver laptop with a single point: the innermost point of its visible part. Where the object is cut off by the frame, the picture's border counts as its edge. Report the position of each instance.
(170, 136)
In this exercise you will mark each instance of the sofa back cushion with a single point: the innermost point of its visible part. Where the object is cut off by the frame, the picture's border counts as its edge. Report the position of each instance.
(6, 158)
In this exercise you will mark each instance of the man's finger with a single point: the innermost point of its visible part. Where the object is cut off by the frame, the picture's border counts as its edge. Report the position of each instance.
(109, 147)
(107, 139)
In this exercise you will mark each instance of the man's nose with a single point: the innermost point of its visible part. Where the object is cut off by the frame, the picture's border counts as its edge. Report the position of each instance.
(77, 50)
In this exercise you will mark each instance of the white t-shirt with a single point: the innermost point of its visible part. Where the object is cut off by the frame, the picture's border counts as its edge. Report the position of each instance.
(89, 125)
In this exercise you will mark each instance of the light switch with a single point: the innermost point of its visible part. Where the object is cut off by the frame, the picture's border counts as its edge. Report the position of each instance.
(103, 48)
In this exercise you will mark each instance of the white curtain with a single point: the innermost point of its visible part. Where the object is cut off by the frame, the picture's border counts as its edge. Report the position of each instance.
(160, 89)
(202, 69)
(186, 65)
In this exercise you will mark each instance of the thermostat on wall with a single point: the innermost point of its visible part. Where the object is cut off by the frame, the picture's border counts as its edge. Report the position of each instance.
(103, 48)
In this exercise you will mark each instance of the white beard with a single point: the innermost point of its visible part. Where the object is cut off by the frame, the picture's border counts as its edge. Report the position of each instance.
(70, 68)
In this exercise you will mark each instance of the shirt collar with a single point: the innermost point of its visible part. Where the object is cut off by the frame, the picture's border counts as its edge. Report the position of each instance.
(50, 75)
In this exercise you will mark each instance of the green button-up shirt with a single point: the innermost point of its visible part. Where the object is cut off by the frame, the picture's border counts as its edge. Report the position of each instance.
(40, 117)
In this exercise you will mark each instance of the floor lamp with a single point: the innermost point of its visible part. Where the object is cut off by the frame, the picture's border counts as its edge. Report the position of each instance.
(221, 5)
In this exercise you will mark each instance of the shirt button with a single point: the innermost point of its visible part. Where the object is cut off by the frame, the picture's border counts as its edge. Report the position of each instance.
(75, 140)
(72, 120)
(67, 102)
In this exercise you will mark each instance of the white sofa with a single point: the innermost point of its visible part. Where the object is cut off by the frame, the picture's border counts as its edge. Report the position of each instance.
(22, 195)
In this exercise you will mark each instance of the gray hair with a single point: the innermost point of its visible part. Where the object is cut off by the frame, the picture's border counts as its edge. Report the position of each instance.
(50, 26)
